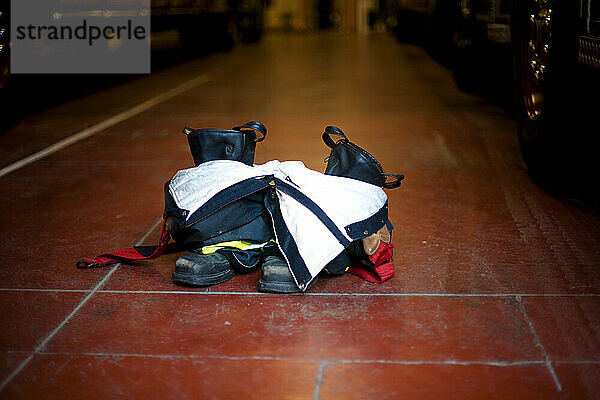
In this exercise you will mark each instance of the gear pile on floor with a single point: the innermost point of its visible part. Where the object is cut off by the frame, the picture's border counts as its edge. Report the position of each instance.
(292, 222)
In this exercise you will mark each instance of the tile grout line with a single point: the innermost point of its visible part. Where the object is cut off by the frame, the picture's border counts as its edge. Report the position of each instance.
(578, 362)
(107, 123)
(38, 349)
(208, 292)
(319, 378)
(325, 362)
(43, 344)
(43, 290)
(348, 294)
(538, 343)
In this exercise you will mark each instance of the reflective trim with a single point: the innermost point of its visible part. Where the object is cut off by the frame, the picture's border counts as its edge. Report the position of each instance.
(237, 244)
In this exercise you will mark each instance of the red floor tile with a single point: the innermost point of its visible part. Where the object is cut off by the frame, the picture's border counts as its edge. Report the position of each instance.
(42, 129)
(97, 195)
(28, 317)
(450, 240)
(389, 381)
(9, 361)
(579, 381)
(323, 327)
(108, 377)
(568, 327)
(88, 216)
(26, 320)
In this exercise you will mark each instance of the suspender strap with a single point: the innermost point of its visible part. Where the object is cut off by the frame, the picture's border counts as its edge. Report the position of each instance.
(129, 254)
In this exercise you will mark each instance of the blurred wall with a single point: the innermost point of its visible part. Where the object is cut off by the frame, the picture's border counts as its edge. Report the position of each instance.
(304, 15)
(292, 15)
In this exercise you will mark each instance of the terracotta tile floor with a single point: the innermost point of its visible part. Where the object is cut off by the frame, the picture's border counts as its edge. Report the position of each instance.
(497, 285)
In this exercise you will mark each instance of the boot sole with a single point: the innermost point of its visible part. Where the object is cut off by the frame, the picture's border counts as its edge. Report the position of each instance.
(195, 280)
(281, 287)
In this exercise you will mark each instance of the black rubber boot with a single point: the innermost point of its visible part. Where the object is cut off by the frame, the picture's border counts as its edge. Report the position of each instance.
(276, 277)
(202, 270)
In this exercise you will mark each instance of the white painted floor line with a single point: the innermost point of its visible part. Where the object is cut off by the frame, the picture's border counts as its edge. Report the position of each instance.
(112, 121)
(42, 345)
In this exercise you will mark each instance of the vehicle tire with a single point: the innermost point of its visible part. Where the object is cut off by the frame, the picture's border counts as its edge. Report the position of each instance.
(544, 37)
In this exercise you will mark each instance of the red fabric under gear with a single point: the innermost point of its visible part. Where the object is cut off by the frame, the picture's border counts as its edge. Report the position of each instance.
(382, 268)
(130, 253)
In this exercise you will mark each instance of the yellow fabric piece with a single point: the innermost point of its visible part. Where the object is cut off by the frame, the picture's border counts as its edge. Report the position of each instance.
(237, 244)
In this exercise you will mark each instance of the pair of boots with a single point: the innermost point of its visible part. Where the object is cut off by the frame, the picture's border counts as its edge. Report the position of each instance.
(211, 269)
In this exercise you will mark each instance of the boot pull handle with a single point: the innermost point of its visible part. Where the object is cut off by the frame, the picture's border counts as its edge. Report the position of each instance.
(394, 183)
(332, 130)
(257, 127)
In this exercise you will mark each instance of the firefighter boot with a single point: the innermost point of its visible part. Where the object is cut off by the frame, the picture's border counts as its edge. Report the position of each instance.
(202, 270)
(276, 277)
